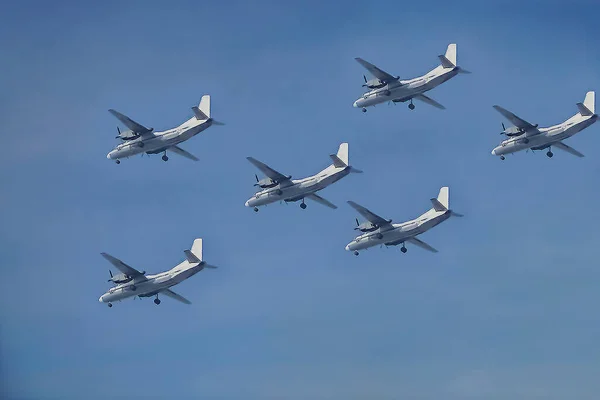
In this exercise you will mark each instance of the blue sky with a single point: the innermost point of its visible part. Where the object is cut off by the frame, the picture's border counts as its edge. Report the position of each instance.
(506, 309)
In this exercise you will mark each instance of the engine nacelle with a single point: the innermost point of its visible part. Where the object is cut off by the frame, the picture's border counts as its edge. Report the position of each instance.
(366, 227)
(513, 131)
(266, 183)
(374, 84)
(127, 135)
(120, 278)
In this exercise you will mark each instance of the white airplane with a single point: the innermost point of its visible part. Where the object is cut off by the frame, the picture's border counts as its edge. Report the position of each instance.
(379, 231)
(139, 139)
(131, 282)
(524, 135)
(277, 187)
(386, 87)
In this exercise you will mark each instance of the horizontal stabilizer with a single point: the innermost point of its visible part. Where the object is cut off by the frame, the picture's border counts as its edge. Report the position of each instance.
(191, 258)
(445, 62)
(337, 162)
(437, 206)
(200, 116)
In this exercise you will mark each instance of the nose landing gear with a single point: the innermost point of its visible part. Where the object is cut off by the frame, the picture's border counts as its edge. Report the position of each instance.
(355, 252)
(364, 109)
(255, 209)
(109, 305)
(502, 158)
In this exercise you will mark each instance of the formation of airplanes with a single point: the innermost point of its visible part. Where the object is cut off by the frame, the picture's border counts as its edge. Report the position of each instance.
(277, 187)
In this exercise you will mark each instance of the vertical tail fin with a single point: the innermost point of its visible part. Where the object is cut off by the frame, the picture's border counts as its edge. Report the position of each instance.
(451, 53)
(443, 197)
(342, 153)
(448, 60)
(197, 248)
(590, 101)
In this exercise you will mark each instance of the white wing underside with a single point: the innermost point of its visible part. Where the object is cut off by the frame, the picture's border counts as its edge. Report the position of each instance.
(319, 199)
(175, 296)
(181, 152)
(568, 149)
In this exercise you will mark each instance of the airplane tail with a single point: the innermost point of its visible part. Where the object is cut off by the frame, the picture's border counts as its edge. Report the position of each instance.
(448, 60)
(202, 111)
(196, 250)
(194, 256)
(442, 203)
(587, 108)
(340, 160)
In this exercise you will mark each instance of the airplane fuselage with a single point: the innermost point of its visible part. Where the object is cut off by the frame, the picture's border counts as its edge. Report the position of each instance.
(398, 233)
(544, 137)
(153, 284)
(158, 142)
(297, 189)
(404, 90)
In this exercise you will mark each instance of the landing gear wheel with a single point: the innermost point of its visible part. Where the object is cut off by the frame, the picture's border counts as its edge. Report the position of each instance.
(411, 105)
(303, 206)
(109, 305)
(118, 161)
(379, 236)
(255, 209)
(156, 301)
(355, 252)
(549, 154)
(403, 249)
(364, 109)
(502, 158)
(165, 158)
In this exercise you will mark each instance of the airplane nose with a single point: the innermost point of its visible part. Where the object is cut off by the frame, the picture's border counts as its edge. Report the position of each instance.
(108, 155)
(355, 105)
(247, 203)
(347, 247)
(100, 299)
(494, 152)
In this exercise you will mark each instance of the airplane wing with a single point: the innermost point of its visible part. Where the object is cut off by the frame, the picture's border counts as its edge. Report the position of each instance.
(175, 296)
(368, 215)
(321, 200)
(178, 150)
(268, 171)
(124, 268)
(568, 149)
(516, 121)
(376, 72)
(129, 123)
(421, 244)
(429, 101)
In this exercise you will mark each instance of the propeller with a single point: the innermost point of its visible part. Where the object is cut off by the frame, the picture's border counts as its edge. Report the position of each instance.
(118, 130)
(357, 224)
(109, 271)
(365, 78)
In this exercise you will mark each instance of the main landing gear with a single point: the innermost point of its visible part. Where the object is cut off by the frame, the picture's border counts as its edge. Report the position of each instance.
(411, 105)
(303, 205)
(403, 248)
(549, 153)
(156, 300)
(164, 157)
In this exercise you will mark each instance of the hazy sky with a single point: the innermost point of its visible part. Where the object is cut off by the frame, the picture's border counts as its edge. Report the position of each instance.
(506, 309)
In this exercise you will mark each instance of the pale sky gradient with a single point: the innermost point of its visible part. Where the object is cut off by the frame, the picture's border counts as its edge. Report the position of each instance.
(507, 308)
